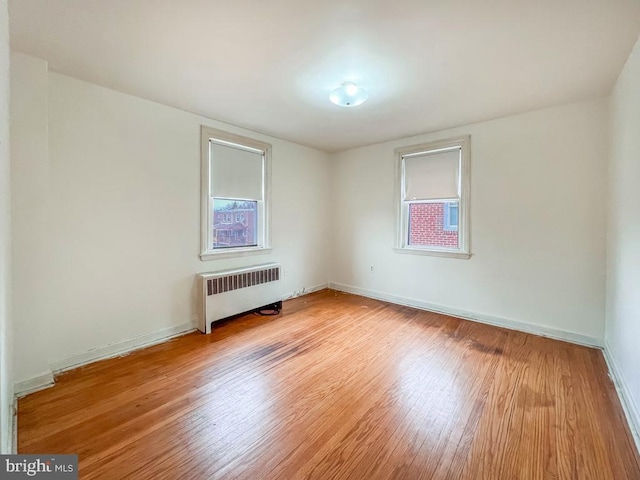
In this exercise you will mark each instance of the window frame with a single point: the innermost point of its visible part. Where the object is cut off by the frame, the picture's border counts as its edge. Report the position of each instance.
(402, 206)
(206, 200)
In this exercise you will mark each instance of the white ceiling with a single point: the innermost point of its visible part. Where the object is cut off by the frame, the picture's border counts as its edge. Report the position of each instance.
(269, 65)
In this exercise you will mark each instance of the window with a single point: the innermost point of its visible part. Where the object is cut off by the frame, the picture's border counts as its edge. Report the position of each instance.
(451, 216)
(432, 194)
(235, 195)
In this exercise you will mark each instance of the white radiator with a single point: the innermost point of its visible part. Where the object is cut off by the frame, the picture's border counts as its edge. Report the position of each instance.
(230, 292)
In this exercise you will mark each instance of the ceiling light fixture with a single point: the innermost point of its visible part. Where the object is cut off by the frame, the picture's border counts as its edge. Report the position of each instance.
(348, 95)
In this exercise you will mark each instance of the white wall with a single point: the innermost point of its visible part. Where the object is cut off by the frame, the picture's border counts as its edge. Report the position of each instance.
(6, 384)
(30, 171)
(623, 254)
(537, 225)
(122, 222)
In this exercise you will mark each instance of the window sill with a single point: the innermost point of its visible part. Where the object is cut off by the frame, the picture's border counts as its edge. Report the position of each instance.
(433, 253)
(234, 252)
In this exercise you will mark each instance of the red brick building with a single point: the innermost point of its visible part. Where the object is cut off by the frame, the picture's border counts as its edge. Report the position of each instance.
(235, 225)
(434, 224)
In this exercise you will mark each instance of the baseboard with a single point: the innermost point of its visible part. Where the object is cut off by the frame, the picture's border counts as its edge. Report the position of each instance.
(123, 348)
(31, 385)
(116, 349)
(120, 348)
(475, 317)
(14, 427)
(305, 291)
(629, 407)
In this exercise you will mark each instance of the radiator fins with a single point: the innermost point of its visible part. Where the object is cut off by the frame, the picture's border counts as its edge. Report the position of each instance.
(237, 281)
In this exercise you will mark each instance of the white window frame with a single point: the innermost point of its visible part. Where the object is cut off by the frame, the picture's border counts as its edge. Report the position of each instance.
(206, 202)
(402, 207)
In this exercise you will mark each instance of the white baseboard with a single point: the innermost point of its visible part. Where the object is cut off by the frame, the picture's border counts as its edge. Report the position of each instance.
(305, 291)
(46, 379)
(475, 317)
(631, 410)
(14, 427)
(120, 348)
(39, 382)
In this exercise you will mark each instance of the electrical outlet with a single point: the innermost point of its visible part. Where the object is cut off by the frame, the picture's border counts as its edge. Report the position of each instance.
(371, 268)
(286, 272)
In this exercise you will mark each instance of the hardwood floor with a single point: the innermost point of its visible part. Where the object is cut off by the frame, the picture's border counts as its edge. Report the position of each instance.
(339, 387)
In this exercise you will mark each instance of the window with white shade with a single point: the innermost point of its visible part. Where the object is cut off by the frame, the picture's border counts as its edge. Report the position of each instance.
(432, 195)
(235, 194)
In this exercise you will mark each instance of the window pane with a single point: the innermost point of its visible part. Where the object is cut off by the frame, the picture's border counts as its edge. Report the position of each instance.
(451, 216)
(235, 223)
(430, 224)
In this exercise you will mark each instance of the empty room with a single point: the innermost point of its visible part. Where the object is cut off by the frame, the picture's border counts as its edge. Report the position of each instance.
(320, 240)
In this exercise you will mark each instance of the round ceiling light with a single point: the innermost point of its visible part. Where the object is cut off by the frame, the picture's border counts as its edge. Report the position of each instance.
(348, 95)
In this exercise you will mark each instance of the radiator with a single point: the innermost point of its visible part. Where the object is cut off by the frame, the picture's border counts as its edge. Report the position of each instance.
(230, 292)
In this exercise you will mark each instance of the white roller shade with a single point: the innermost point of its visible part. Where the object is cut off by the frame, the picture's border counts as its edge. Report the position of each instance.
(432, 176)
(235, 172)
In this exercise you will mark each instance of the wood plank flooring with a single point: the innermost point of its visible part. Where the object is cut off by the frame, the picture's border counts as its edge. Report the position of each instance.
(340, 387)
